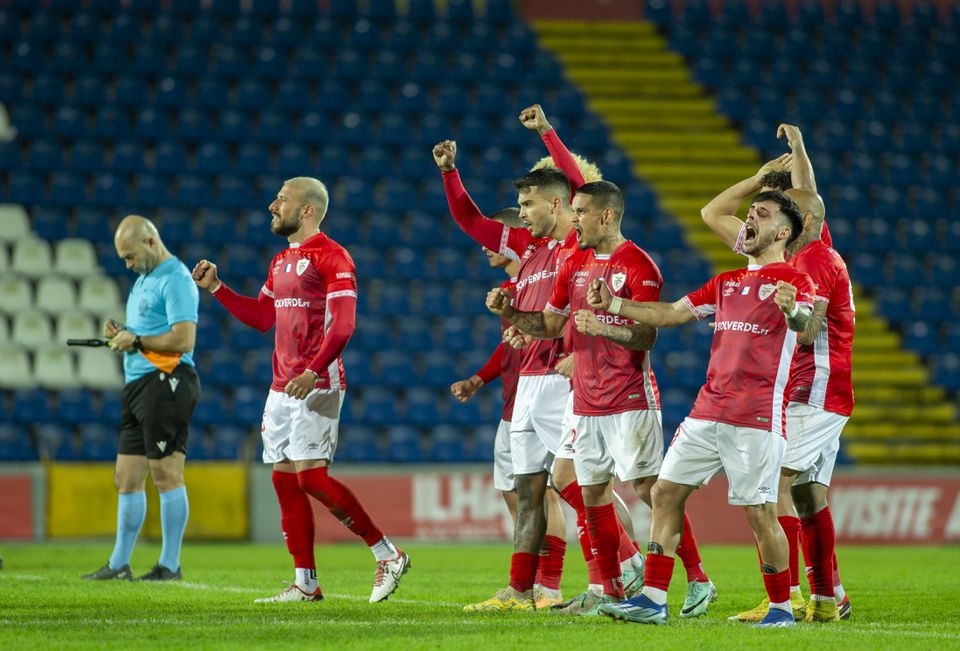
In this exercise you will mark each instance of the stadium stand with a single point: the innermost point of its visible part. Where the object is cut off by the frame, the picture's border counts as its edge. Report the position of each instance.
(116, 112)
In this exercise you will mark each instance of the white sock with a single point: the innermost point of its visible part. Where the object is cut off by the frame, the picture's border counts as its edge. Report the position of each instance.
(783, 605)
(820, 597)
(383, 550)
(838, 593)
(307, 579)
(633, 564)
(794, 588)
(656, 595)
(595, 588)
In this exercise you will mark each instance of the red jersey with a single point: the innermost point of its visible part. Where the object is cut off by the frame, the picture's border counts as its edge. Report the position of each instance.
(301, 280)
(535, 280)
(752, 349)
(822, 371)
(825, 235)
(509, 366)
(608, 378)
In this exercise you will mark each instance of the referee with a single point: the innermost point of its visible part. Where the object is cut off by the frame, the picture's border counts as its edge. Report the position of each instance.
(158, 399)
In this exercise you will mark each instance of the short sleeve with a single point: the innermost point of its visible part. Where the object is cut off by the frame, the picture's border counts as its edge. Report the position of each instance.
(806, 292)
(703, 302)
(340, 274)
(181, 299)
(559, 301)
(645, 281)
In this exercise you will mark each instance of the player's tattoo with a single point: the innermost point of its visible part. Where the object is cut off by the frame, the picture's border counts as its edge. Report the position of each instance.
(799, 321)
(636, 337)
(531, 323)
(767, 569)
(654, 548)
(812, 329)
(531, 518)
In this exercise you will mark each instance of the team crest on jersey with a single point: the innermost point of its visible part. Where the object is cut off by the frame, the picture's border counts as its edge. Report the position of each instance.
(766, 291)
(302, 265)
(617, 281)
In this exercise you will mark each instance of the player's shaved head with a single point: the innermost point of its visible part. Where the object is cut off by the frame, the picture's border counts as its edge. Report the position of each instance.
(589, 169)
(809, 203)
(312, 192)
(508, 217)
(134, 228)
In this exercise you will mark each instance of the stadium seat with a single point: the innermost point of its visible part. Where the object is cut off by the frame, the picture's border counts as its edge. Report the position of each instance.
(98, 369)
(16, 294)
(32, 329)
(31, 257)
(15, 443)
(15, 370)
(14, 223)
(75, 325)
(56, 294)
(53, 368)
(99, 296)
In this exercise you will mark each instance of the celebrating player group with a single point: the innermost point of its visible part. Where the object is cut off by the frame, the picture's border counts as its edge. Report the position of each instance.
(580, 314)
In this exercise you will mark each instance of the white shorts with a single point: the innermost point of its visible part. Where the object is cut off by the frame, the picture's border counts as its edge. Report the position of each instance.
(537, 422)
(813, 440)
(751, 459)
(502, 462)
(629, 443)
(300, 430)
(567, 431)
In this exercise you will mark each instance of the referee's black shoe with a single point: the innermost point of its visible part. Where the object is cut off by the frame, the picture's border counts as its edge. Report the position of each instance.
(107, 573)
(160, 573)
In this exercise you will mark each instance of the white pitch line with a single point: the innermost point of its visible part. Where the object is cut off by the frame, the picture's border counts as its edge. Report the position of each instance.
(26, 577)
(333, 595)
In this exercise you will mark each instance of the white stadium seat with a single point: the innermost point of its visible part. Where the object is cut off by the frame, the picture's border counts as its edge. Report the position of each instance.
(75, 325)
(15, 369)
(14, 222)
(53, 368)
(7, 132)
(100, 296)
(98, 368)
(32, 258)
(4, 258)
(4, 329)
(76, 258)
(16, 295)
(31, 329)
(56, 294)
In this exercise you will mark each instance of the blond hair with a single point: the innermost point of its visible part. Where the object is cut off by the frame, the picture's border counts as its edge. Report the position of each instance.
(589, 169)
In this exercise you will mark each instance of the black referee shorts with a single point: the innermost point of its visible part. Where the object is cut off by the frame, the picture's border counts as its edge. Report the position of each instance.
(155, 412)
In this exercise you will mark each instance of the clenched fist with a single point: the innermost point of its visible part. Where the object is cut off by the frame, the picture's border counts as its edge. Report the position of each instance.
(445, 155)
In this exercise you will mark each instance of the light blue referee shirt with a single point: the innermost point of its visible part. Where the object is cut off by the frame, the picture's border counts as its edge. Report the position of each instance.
(165, 296)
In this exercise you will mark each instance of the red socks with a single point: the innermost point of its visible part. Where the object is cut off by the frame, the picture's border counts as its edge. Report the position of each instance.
(791, 529)
(778, 586)
(296, 519)
(658, 571)
(689, 554)
(523, 570)
(550, 567)
(819, 539)
(604, 537)
(341, 502)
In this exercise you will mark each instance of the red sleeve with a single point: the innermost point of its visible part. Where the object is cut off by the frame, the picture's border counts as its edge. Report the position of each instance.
(703, 302)
(340, 277)
(825, 235)
(491, 370)
(343, 310)
(645, 281)
(485, 231)
(256, 312)
(564, 160)
(806, 292)
(560, 296)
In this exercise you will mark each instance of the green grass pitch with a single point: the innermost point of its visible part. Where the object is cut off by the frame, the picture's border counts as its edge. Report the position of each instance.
(902, 598)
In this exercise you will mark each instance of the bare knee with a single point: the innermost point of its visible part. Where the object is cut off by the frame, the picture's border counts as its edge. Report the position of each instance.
(167, 473)
(563, 473)
(643, 488)
(809, 499)
(761, 517)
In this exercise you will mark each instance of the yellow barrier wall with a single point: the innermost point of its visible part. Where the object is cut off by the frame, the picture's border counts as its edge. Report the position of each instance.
(82, 501)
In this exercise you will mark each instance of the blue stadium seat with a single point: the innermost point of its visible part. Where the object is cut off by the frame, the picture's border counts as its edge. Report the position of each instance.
(404, 445)
(15, 443)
